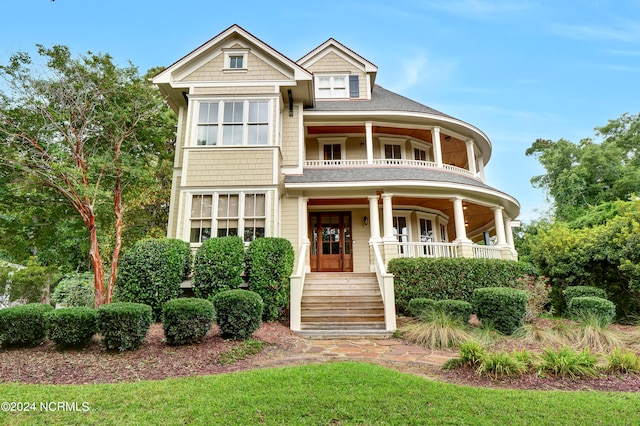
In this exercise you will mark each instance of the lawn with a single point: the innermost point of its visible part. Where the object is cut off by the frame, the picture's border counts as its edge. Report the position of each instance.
(334, 393)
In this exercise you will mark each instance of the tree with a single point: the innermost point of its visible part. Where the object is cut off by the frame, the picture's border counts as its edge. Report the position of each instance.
(86, 130)
(587, 174)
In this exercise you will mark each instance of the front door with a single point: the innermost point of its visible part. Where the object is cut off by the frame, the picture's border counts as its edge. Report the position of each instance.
(331, 242)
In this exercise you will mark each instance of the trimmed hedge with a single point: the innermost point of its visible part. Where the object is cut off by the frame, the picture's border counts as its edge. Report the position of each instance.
(603, 309)
(457, 308)
(24, 325)
(186, 320)
(124, 325)
(238, 312)
(75, 289)
(421, 306)
(450, 278)
(504, 307)
(218, 266)
(583, 291)
(269, 264)
(72, 327)
(151, 272)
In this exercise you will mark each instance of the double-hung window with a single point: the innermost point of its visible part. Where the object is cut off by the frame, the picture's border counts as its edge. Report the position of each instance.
(227, 214)
(332, 86)
(233, 122)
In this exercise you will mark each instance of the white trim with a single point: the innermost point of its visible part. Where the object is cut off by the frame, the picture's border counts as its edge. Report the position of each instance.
(322, 141)
(332, 86)
(385, 140)
(232, 53)
(423, 146)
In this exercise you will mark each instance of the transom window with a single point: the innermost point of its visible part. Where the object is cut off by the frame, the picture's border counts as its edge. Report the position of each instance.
(242, 214)
(244, 122)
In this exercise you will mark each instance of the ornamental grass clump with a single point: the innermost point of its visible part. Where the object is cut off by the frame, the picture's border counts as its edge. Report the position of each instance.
(437, 329)
(590, 332)
(619, 361)
(500, 364)
(566, 362)
(72, 327)
(187, 320)
(24, 325)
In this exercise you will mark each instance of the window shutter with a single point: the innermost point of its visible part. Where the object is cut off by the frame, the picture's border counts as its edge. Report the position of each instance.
(354, 86)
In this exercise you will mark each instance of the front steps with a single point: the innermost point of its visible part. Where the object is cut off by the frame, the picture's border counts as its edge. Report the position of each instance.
(342, 305)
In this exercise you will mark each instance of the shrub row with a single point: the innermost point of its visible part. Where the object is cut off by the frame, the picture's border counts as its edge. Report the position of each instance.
(24, 325)
(186, 320)
(503, 307)
(453, 279)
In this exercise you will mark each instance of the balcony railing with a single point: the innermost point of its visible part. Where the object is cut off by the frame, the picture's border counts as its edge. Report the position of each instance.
(434, 249)
(388, 163)
(487, 252)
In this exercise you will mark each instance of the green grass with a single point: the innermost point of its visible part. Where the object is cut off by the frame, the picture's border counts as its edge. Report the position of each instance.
(335, 393)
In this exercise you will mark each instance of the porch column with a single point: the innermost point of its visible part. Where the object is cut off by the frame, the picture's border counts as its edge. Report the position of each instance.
(481, 168)
(374, 218)
(509, 231)
(458, 219)
(387, 217)
(368, 126)
(499, 224)
(303, 220)
(471, 156)
(437, 147)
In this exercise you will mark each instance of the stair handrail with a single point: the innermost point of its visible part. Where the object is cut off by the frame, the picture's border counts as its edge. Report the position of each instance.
(296, 283)
(385, 282)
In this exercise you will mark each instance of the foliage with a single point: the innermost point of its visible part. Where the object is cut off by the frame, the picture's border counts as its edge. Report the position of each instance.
(619, 361)
(436, 329)
(500, 364)
(218, 266)
(124, 325)
(582, 291)
(269, 264)
(246, 348)
(457, 309)
(238, 312)
(31, 284)
(593, 333)
(455, 278)
(419, 306)
(24, 325)
(151, 272)
(186, 320)
(75, 289)
(603, 310)
(72, 327)
(88, 135)
(472, 353)
(504, 307)
(538, 295)
(566, 362)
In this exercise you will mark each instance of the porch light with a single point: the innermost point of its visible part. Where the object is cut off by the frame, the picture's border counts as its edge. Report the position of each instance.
(365, 220)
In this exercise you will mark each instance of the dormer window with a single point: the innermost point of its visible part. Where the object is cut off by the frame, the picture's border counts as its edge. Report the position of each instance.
(337, 86)
(236, 59)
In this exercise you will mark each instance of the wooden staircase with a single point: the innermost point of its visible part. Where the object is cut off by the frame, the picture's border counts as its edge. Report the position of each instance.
(342, 305)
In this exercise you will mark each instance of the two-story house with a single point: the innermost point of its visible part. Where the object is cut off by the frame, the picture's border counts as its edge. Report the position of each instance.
(351, 173)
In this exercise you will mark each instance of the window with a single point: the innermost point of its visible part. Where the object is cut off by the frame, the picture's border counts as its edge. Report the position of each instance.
(333, 151)
(242, 214)
(426, 230)
(231, 122)
(419, 154)
(443, 233)
(401, 232)
(392, 152)
(235, 62)
(332, 86)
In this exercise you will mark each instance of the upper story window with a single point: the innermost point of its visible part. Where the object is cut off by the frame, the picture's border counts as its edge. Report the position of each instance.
(233, 122)
(392, 152)
(236, 59)
(337, 86)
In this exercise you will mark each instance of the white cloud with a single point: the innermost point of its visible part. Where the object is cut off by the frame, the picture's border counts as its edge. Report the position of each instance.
(419, 70)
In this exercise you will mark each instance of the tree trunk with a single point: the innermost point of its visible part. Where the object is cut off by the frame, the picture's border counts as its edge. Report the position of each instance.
(96, 262)
(117, 209)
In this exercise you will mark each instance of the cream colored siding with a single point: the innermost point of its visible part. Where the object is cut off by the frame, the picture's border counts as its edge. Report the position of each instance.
(173, 208)
(290, 137)
(313, 148)
(181, 142)
(332, 63)
(232, 167)
(257, 69)
(355, 149)
(360, 234)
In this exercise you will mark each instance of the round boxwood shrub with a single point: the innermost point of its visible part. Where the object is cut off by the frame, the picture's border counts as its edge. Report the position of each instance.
(151, 272)
(457, 308)
(186, 320)
(420, 306)
(218, 266)
(75, 289)
(582, 291)
(504, 307)
(238, 312)
(72, 327)
(269, 264)
(24, 325)
(124, 325)
(586, 306)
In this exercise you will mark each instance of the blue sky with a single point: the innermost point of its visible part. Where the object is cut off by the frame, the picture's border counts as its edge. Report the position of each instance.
(518, 70)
